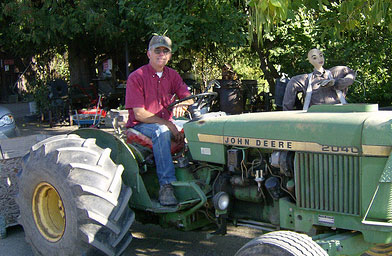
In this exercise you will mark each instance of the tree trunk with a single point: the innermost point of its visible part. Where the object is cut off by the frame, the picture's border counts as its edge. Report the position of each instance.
(270, 72)
(81, 64)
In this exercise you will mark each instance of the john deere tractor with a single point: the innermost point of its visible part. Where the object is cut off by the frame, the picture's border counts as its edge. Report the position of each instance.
(320, 180)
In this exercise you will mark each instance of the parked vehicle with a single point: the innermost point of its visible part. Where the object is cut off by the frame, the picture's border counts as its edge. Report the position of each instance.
(8, 127)
(319, 180)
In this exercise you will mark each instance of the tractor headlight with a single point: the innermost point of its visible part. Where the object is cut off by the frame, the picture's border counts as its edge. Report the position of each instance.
(221, 201)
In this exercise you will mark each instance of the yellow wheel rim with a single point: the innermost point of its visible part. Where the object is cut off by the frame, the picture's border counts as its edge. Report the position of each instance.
(48, 211)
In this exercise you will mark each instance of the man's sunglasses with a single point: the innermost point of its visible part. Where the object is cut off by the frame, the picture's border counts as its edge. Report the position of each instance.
(158, 51)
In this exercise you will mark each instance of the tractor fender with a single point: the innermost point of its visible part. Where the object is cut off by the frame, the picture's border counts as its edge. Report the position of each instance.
(122, 154)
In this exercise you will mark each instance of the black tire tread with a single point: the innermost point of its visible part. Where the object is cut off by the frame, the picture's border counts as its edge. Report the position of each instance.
(102, 211)
(293, 243)
(307, 244)
(53, 138)
(125, 195)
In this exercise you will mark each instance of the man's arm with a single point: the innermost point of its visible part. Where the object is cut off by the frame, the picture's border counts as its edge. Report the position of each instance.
(181, 91)
(144, 116)
(180, 109)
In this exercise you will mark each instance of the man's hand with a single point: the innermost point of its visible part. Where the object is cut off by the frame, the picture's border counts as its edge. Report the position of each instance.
(178, 136)
(179, 110)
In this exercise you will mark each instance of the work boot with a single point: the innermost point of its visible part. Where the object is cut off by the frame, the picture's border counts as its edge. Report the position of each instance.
(166, 195)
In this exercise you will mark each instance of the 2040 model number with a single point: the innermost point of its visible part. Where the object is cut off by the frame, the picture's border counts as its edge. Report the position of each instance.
(340, 149)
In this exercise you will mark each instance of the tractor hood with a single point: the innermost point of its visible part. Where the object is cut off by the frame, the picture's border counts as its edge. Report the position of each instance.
(355, 129)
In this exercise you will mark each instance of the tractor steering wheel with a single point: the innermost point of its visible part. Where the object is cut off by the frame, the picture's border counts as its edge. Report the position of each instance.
(203, 100)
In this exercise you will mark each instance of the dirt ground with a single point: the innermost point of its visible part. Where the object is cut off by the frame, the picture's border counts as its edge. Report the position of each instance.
(31, 128)
(28, 124)
(152, 240)
(148, 239)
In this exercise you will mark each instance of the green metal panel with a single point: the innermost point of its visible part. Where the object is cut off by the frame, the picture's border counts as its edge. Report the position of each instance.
(304, 220)
(352, 132)
(268, 213)
(348, 243)
(189, 222)
(287, 130)
(212, 126)
(186, 193)
(299, 126)
(377, 129)
(372, 169)
(249, 194)
(387, 173)
(380, 208)
(344, 108)
(286, 214)
(190, 218)
(210, 151)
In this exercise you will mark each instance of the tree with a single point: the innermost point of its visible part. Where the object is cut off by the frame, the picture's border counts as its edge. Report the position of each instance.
(209, 32)
(83, 28)
(89, 28)
(200, 29)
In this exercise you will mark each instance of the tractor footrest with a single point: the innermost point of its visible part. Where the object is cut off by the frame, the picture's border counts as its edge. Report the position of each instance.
(158, 208)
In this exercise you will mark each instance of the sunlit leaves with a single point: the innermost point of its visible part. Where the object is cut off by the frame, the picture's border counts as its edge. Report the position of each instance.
(336, 17)
(265, 15)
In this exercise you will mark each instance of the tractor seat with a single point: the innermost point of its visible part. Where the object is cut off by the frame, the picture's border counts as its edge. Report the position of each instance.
(136, 137)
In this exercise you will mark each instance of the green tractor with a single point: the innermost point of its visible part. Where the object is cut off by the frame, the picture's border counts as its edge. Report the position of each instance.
(320, 180)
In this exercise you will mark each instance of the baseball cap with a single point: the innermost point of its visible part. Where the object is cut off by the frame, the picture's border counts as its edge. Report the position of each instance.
(160, 41)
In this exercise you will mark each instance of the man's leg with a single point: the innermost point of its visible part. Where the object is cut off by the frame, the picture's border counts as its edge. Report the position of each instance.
(161, 140)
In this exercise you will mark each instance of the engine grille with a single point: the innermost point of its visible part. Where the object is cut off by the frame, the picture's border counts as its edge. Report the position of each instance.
(327, 182)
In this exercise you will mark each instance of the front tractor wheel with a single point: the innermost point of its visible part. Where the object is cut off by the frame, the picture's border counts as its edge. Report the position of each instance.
(282, 243)
(72, 200)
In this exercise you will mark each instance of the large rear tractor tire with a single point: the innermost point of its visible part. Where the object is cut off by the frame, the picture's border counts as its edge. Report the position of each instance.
(282, 243)
(72, 200)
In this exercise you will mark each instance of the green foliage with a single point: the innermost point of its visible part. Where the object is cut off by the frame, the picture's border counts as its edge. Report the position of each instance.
(46, 67)
(191, 24)
(40, 25)
(367, 52)
(265, 15)
(291, 42)
(356, 33)
(40, 92)
(336, 17)
(206, 68)
(353, 14)
(206, 32)
(49, 66)
(246, 64)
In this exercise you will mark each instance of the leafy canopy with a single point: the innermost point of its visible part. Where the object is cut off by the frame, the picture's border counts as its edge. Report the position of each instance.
(335, 17)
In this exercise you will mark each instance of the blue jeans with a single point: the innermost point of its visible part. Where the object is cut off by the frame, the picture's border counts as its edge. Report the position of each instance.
(161, 144)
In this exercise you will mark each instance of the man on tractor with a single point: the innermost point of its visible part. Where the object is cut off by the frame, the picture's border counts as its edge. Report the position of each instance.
(150, 90)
